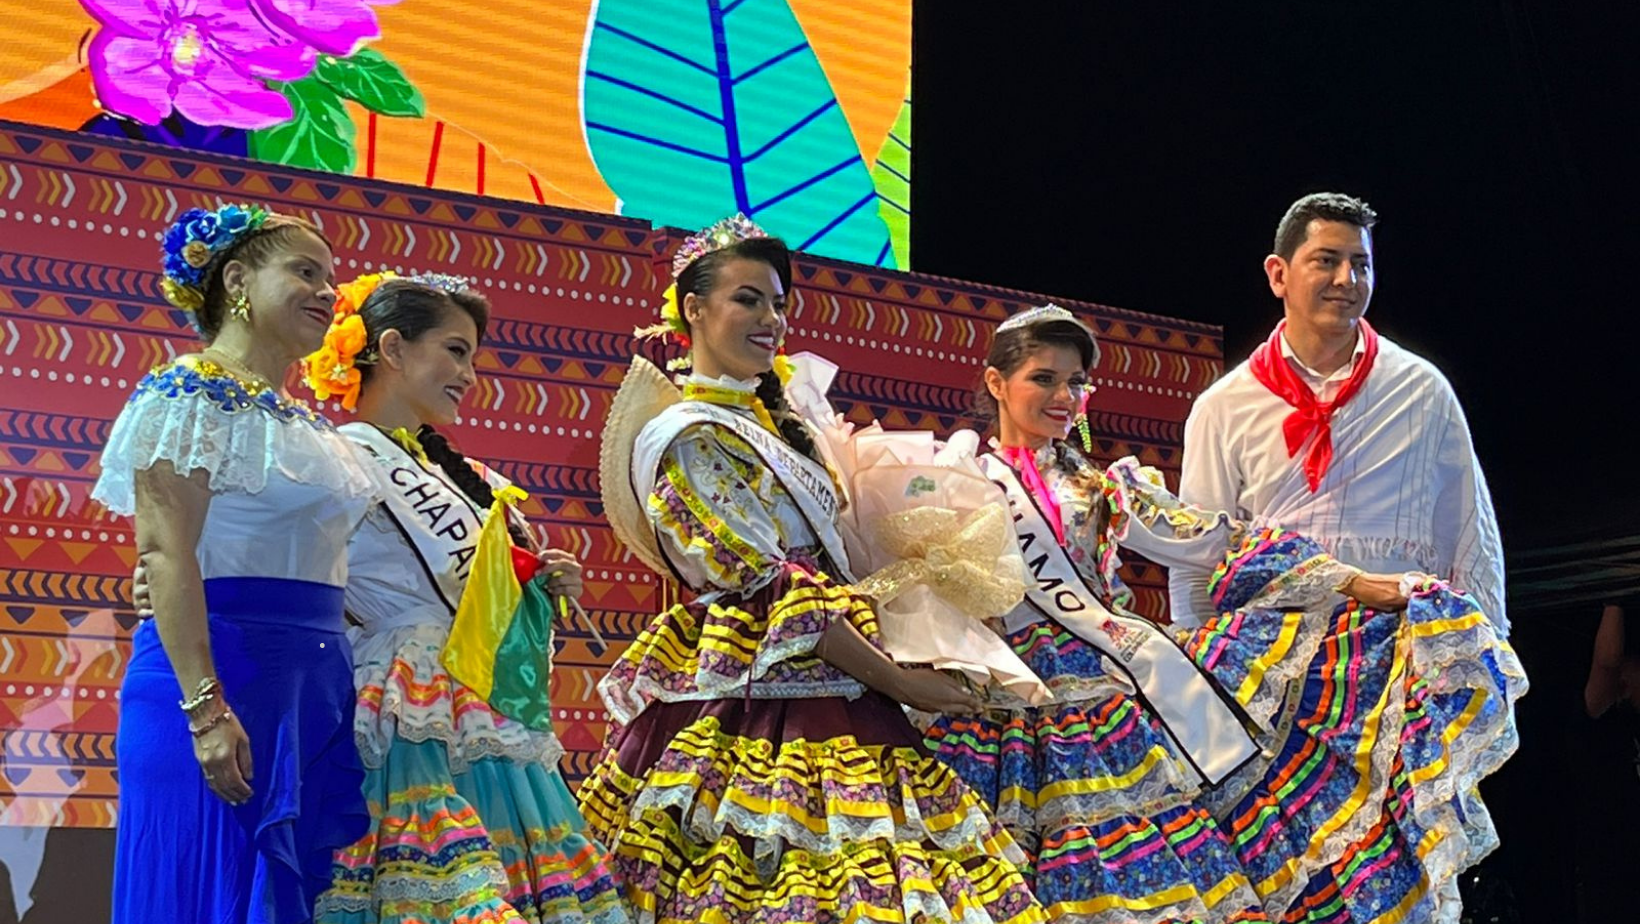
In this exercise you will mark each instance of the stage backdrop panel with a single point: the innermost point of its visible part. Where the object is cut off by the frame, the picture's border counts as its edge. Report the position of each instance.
(796, 112)
(81, 319)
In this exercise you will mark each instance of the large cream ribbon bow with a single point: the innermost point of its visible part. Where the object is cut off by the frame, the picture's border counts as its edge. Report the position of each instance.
(963, 558)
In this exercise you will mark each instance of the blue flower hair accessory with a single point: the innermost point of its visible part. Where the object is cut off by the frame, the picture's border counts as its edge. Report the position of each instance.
(194, 240)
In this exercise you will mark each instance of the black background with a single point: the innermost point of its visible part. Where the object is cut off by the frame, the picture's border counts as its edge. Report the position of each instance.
(1140, 155)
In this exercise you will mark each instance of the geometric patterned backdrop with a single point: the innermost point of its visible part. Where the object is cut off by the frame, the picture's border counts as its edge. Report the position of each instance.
(81, 319)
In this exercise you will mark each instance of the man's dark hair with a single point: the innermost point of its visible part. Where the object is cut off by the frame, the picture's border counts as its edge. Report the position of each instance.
(1327, 206)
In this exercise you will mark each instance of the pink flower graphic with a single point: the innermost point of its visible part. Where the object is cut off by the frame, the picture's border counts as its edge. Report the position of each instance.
(335, 27)
(206, 59)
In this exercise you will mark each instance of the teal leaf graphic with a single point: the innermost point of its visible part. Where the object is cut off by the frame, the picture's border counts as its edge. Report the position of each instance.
(696, 109)
(320, 136)
(892, 177)
(372, 81)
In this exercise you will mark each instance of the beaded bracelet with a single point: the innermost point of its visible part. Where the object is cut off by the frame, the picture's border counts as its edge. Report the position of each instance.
(212, 722)
(206, 691)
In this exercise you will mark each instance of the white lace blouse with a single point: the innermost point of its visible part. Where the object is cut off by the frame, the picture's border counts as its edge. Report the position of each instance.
(287, 489)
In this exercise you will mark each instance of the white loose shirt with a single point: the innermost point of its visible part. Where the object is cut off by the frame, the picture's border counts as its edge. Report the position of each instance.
(1404, 491)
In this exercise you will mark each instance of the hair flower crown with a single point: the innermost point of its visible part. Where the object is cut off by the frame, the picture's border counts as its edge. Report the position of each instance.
(723, 234)
(194, 240)
(333, 369)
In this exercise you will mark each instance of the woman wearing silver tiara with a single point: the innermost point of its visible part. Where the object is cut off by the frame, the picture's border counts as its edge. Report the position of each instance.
(760, 765)
(1309, 755)
(244, 498)
(470, 819)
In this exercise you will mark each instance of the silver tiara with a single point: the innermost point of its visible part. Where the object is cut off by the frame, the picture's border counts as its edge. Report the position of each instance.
(444, 282)
(1048, 312)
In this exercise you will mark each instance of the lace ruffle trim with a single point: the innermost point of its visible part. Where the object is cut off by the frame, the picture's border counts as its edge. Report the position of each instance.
(239, 441)
(409, 695)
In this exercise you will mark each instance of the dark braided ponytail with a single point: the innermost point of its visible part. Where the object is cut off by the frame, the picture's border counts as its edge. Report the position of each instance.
(461, 472)
(791, 427)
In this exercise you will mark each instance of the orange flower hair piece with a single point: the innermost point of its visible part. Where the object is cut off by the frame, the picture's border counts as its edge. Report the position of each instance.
(332, 370)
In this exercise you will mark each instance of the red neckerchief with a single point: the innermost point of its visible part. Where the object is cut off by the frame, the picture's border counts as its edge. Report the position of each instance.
(1310, 417)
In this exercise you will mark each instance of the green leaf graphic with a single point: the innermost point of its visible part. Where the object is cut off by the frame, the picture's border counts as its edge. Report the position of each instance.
(372, 81)
(892, 177)
(697, 109)
(319, 137)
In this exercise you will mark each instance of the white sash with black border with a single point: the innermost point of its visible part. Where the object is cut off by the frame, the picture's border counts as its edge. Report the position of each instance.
(1204, 723)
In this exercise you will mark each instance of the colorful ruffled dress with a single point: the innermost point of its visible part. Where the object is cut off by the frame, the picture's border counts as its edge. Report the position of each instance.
(1368, 732)
(747, 780)
(286, 495)
(471, 820)
(1376, 727)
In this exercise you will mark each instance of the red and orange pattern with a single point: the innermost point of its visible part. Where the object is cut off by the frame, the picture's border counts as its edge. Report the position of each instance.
(81, 320)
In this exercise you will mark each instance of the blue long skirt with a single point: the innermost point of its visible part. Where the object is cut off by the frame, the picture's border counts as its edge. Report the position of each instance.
(181, 853)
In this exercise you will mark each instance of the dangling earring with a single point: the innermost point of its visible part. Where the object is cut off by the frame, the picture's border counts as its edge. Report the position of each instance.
(1082, 420)
(240, 307)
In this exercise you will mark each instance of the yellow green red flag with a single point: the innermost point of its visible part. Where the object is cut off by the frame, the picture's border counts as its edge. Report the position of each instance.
(500, 644)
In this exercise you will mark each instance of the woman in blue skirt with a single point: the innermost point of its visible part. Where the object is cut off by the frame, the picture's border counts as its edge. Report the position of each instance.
(238, 771)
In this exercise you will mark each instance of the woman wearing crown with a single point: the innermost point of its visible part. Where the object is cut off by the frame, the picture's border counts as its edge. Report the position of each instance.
(231, 806)
(471, 820)
(1309, 755)
(760, 766)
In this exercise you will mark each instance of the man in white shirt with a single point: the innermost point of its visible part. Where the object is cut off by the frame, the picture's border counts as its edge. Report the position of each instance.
(1335, 432)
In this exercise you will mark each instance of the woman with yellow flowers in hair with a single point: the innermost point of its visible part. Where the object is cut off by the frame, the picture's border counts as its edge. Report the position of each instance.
(471, 821)
(760, 766)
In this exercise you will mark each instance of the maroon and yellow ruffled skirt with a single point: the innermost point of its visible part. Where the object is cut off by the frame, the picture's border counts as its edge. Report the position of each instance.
(733, 811)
